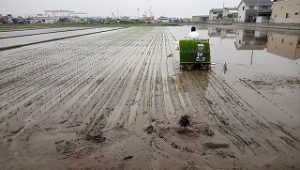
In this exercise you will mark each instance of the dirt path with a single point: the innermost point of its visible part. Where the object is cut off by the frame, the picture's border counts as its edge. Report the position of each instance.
(113, 101)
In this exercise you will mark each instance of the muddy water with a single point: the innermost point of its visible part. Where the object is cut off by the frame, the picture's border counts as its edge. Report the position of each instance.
(114, 100)
(269, 62)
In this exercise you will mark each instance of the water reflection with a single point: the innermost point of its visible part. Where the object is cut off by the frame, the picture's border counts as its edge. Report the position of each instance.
(214, 32)
(250, 40)
(223, 33)
(283, 44)
(228, 33)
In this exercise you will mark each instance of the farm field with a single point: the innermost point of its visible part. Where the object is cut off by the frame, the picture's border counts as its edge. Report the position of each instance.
(113, 101)
(14, 34)
(31, 37)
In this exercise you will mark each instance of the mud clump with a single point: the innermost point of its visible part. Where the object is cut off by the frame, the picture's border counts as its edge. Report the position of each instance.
(226, 154)
(59, 142)
(149, 129)
(174, 145)
(188, 149)
(127, 158)
(65, 147)
(216, 145)
(184, 121)
(170, 55)
(185, 131)
(28, 104)
(209, 132)
(97, 138)
(13, 132)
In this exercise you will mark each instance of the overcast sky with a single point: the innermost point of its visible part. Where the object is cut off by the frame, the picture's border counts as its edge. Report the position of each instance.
(169, 8)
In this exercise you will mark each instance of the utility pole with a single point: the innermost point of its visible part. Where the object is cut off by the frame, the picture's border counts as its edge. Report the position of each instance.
(118, 13)
(253, 41)
(138, 10)
(257, 11)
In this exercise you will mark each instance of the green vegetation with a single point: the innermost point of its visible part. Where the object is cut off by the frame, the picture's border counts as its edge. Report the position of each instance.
(189, 50)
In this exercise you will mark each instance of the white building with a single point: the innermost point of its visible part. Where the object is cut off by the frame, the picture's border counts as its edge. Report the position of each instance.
(58, 13)
(163, 19)
(215, 14)
(66, 16)
(40, 18)
(147, 19)
(248, 10)
(230, 13)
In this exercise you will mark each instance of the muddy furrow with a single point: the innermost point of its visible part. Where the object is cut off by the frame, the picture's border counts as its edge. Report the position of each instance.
(45, 74)
(85, 69)
(114, 101)
(59, 71)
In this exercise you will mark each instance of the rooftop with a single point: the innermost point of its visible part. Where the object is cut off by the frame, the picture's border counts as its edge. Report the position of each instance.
(256, 2)
(200, 16)
(214, 10)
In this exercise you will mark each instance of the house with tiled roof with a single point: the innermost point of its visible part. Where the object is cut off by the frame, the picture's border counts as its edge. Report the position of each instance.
(250, 10)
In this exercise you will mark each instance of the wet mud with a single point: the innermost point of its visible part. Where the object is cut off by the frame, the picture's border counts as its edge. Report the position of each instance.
(119, 100)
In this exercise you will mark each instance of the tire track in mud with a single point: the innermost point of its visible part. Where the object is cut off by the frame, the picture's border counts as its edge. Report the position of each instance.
(239, 122)
(243, 118)
(268, 131)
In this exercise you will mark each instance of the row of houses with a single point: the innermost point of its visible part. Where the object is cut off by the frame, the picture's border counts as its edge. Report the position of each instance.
(258, 11)
(278, 11)
(49, 17)
(55, 18)
(39, 18)
(225, 13)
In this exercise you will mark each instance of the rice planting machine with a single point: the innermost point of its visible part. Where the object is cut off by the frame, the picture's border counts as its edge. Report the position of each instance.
(194, 53)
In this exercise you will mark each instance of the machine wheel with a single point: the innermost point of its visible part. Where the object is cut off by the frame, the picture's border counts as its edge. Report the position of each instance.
(190, 67)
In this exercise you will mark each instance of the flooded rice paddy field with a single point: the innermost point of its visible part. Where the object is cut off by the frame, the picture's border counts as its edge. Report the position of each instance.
(113, 101)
